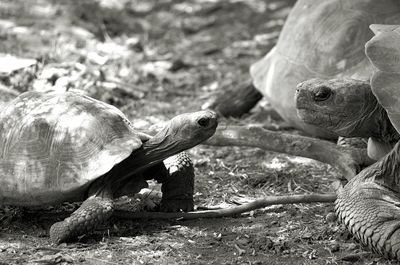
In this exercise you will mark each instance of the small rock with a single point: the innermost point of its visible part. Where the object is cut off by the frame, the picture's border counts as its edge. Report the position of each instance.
(97, 58)
(242, 241)
(335, 247)
(201, 162)
(306, 235)
(351, 246)
(134, 44)
(330, 217)
(178, 64)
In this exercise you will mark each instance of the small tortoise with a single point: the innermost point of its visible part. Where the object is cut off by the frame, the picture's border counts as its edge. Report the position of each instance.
(369, 203)
(320, 39)
(63, 146)
(348, 108)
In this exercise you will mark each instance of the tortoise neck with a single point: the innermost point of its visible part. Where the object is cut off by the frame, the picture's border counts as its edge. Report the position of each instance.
(376, 124)
(164, 144)
(384, 130)
(386, 171)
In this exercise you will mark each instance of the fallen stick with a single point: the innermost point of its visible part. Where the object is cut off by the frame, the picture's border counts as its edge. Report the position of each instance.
(228, 212)
(346, 159)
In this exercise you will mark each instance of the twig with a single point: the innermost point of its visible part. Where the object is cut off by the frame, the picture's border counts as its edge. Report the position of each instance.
(346, 159)
(50, 249)
(240, 251)
(260, 203)
(356, 256)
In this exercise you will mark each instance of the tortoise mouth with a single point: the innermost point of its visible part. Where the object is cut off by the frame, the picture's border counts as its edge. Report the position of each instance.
(308, 115)
(318, 117)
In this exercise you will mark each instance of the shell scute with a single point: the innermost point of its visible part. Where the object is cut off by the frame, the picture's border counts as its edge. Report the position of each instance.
(384, 53)
(54, 143)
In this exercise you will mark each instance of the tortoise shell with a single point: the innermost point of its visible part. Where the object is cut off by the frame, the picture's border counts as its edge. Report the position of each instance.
(323, 39)
(53, 145)
(383, 50)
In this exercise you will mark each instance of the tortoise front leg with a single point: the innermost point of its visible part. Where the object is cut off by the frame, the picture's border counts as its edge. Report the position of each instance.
(178, 186)
(93, 211)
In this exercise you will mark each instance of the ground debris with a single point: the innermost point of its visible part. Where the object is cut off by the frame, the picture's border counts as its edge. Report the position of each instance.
(54, 259)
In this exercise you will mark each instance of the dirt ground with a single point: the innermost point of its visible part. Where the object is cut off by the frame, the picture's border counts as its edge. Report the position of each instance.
(154, 59)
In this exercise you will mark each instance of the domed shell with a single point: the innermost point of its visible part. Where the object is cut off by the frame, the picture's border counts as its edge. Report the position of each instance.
(53, 145)
(384, 53)
(323, 39)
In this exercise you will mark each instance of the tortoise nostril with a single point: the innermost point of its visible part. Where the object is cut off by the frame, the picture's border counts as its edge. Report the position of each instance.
(203, 122)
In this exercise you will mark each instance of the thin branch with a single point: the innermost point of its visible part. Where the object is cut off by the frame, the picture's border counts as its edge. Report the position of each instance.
(257, 204)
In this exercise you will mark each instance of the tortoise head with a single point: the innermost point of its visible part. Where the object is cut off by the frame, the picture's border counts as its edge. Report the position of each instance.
(343, 106)
(182, 132)
(190, 129)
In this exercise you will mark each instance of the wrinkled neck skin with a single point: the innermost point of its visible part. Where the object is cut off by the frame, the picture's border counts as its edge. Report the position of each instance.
(375, 124)
(152, 152)
(385, 172)
(384, 129)
(157, 149)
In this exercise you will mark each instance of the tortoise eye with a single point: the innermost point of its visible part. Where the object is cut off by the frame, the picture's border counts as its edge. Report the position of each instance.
(323, 93)
(203, 122)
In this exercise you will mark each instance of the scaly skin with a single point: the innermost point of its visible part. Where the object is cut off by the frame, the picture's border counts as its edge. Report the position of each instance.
(348, 108)
(369, 205)
(92, 212)
(177, 188)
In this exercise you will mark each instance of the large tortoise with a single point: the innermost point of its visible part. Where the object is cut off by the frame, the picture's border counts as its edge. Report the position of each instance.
(63, 146)
(369, 204)
(319, 39)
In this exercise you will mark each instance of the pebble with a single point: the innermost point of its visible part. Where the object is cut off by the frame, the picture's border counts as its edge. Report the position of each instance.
(330, 217)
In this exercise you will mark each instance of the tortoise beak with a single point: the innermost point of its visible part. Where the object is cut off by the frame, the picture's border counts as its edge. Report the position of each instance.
(301, 96)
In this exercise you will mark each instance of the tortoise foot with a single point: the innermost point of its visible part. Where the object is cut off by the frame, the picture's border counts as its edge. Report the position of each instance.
(92, 212)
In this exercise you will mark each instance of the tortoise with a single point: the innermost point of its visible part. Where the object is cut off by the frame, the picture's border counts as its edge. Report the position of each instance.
(348, 108)
(368, 205)
(64, 146)
(320, 39)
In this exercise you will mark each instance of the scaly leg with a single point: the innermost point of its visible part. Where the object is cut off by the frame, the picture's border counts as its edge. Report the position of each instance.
(93, 211)
(178, 186)
(346, 159)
